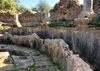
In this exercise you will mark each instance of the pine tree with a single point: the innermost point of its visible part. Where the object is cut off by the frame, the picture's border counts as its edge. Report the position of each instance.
(9, 5)
(44, 6)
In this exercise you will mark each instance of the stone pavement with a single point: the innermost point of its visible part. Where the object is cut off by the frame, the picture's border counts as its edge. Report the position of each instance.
(42, 62)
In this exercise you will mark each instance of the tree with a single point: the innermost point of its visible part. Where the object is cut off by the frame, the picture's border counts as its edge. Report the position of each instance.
(23, 9)
(35, 9)
(44, 6)
(9, 5)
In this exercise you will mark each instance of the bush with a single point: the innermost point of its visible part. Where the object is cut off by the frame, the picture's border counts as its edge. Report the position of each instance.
(96, 21)
(62, 19)
(70, 25)
(56, 26)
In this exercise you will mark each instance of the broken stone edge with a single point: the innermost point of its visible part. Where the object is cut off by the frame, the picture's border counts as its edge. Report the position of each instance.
(55, 47)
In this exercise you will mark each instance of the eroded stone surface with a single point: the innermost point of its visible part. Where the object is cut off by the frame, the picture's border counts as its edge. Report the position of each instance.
(3, 57)
(25, 61)
(47, 68)
(57, 48)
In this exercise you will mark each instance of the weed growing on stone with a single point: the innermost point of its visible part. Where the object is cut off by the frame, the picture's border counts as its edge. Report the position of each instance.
(62, 19)
(52, 61)
(17, 53)
(3, 47)
(15, 68)
(34, 65)
(57, 26)
(0, 57)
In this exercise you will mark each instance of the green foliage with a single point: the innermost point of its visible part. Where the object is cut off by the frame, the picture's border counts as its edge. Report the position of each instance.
(35, 9)
(44, 6)
(3, 47)
(33, 69)
(23, 9)
(70, 25)
(51, 58)
(96, 21)
(0, 57)
(61, 26)
(4, 27)
(17, 53)
(1, 23)
(15, 68)
(8, 5)
(56, 26)
(62, 19)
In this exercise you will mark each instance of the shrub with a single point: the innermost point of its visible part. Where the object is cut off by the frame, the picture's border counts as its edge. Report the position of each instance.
(57, 26)
(62, 19)
(70, 25)
(96, 21)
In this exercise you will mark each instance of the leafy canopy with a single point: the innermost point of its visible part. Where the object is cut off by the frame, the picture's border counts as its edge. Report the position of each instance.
(44, 6)
(9, 5)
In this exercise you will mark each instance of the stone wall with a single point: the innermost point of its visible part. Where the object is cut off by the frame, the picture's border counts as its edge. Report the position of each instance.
(30, 17)
(6, 17)
(97, 6)
(23, 18)
(70, 11)
(85, 44)
(55, 47)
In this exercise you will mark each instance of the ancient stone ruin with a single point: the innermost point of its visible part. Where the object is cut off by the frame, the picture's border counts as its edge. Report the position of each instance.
(16, 21)
(50, 49)
(55, 47)
(87, 9)
(70, 11)
(62, 45)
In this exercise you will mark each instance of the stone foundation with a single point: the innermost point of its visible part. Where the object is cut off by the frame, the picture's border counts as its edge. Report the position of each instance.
(97, 7)
(84, 43)
(55, 47)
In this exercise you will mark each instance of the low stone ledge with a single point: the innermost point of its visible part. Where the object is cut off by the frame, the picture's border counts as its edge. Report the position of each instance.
(55, 47)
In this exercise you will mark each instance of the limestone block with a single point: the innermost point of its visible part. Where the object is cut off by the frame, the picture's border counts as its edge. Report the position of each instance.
(16, 21)
(87, 14)
(4, 54)
(35, 41)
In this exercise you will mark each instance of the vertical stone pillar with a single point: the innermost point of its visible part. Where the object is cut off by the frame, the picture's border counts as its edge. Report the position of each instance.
(88, 5)
(16, 21)
(87, 9)
(47, 15)
(47, 18)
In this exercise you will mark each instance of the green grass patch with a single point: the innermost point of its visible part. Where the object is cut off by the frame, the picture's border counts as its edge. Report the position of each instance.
(96, 21)
(35, 26)
(15, 68)
(61, 26)
(56, 26)
(4, 27)
(62, 19)
(16, 53)
(70, 25)
(0, 57)
(33, 66)
(33, 69)
(52, 61)
(3, 47)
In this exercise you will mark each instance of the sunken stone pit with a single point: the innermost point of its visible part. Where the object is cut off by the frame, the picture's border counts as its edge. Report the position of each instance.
(67, 48)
